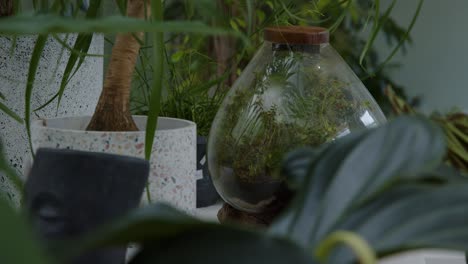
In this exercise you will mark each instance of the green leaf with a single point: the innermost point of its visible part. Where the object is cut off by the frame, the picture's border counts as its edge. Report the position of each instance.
(11, 113)
(376, 29)
(385, 186)
(404, 38)
(297, 222)
(17, 245)
(360, 247)
(418, 221)
(341, 17)
(33, 65)
(176, 56)
(82, 44)
(355, 168)
(10, 173)
(233, 25)
(46, 24)
(227, 246)
(165, 232)
(158, 72)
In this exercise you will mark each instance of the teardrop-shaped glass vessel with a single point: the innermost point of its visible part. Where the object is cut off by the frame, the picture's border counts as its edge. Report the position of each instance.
(297, 91)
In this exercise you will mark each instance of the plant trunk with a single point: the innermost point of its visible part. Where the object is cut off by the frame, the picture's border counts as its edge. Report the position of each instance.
(225, 46)
(6, 8)
(113, 108)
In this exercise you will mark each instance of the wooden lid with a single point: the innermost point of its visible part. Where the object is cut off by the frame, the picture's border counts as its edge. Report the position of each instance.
(296, 35)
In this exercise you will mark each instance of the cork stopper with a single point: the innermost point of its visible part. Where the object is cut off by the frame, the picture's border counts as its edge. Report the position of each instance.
(296, 35)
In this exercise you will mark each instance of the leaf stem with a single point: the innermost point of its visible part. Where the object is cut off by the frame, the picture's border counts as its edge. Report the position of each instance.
(360, 247)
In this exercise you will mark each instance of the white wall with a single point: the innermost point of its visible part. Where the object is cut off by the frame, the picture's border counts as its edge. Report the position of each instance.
(436, 65)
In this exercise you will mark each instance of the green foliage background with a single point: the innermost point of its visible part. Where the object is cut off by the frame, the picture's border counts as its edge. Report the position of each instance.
(202, 68)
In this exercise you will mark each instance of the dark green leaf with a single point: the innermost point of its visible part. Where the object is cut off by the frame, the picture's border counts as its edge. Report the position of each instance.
(17, 244)
(405, 146)
(45, 24)
(10, 112)
(419, 220)
(298, 220)
(227, 246)
(33, 65)
(412, 216)
(158, 75)
(82, 44)
(10, 173)
(355, 168)
(169, 236)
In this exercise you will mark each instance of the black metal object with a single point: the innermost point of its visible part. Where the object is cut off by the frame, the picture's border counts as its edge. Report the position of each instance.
(206, 192)
(72, 193)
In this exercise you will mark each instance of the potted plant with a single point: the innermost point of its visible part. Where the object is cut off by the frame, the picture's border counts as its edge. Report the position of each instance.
(113, 129)
(197, 101)
(197, 105)
(58, 68)
(179, 137)
(373, 205)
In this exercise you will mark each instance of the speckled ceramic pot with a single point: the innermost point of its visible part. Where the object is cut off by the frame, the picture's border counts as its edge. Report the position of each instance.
(173, 163)
(80, 97)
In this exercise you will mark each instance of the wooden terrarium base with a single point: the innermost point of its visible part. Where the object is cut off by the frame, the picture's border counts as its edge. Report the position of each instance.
(230, 215)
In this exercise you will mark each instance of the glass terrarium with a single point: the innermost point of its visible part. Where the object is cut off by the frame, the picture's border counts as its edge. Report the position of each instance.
(297, 91)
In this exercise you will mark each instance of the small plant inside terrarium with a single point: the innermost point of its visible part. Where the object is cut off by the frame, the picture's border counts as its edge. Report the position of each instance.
(290, 96)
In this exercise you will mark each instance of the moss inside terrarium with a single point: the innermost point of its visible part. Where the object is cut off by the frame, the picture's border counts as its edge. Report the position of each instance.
(289, 105)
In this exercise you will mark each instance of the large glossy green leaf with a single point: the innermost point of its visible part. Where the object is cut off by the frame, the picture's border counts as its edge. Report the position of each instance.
(169, 236)
(385, 185)
(419, 220)
(354, 169)
(17, 245)
(224, 245)
(411, 217)
(298, 221)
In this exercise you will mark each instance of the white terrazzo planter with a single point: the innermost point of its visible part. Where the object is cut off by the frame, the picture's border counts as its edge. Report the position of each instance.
(80, 97)
(173, 162)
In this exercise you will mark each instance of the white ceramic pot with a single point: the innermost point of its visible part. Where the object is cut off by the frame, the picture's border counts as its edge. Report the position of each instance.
(173, 162)
(80, 97)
